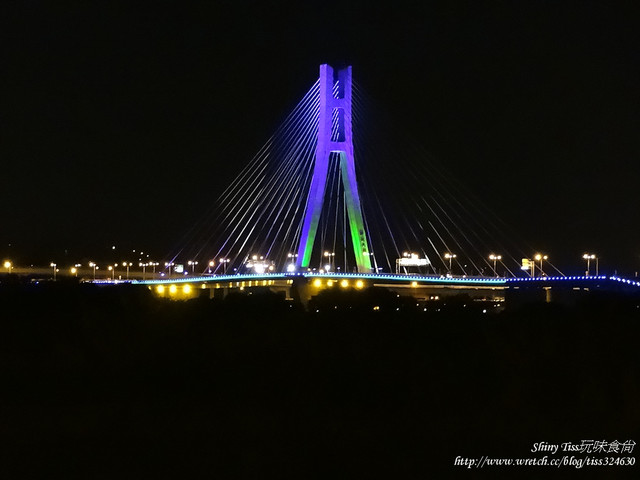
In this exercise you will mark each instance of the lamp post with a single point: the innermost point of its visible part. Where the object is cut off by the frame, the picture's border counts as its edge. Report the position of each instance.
(53, 266)
(450, 257)
(74, 271)
(127, 265)
(144, 270)
(291, 266)
(330, 256)
(8, 265)
(169, 265)
(94, 266)
(495, 259)
(211, 264)
(224, 262)
(113, 272)
(588, 257)
(540, 257)
(193, 264)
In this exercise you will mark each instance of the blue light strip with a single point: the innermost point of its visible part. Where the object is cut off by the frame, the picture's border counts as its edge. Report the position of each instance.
(428, 279)
(412, 278)
(625, 280)
(574, 278)
(554, 279)
(108, 282)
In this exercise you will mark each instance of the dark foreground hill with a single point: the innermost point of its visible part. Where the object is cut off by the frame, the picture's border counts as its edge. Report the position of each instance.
(113, 383)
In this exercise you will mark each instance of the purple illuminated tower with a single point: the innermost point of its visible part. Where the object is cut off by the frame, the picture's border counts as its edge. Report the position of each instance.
(334, 105)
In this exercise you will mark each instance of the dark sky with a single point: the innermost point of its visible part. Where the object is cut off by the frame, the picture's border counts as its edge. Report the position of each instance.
(120, 124)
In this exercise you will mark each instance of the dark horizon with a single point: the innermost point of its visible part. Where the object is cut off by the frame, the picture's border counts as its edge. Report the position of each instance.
(119, 126)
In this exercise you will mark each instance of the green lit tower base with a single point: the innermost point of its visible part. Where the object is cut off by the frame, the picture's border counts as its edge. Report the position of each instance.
(344, 147)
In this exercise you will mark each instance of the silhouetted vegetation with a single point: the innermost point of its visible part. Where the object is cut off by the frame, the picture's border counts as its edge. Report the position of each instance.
(110, 382)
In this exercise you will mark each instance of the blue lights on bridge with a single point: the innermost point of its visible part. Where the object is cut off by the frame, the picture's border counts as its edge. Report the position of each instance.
(625, 280)
(372, 276)
(574, 278)
(555, 279)
(414, 279)
(434, 279)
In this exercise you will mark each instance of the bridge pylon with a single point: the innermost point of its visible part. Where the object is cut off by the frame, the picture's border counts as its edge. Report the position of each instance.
(340, 142)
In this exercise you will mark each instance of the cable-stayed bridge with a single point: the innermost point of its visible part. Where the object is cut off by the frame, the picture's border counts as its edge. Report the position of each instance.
(336, 198)
(333, 189)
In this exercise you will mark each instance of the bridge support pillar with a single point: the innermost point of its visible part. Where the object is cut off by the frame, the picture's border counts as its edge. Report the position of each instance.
(334, 107)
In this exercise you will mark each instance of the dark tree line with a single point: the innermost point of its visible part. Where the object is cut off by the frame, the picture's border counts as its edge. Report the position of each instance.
(104, 382)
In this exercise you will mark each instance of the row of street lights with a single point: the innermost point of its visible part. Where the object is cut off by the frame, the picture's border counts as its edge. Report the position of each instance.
(526, 264)
(212, 264)
(330, 256)
(539, 257)
(111, 268)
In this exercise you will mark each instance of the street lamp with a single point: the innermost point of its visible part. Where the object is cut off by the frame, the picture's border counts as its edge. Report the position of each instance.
(224, 262)
(74, 271)
(169, 265)
(94, 266)
(291, 266)
(144, 270)
(450, 257)
(495, 259)
(125, 264)
(193, 264)
(8, 265)
(53, 265)
(113, 272)
(588, 257)
(330, 258)
(540, 258)
(211, 264)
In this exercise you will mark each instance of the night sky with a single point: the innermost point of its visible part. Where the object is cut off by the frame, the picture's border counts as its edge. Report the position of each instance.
(120, 125)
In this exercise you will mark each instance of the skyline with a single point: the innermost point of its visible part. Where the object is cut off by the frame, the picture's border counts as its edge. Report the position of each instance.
(119, 127)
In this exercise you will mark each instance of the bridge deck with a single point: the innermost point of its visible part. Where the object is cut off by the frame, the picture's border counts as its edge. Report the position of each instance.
(395, 278)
